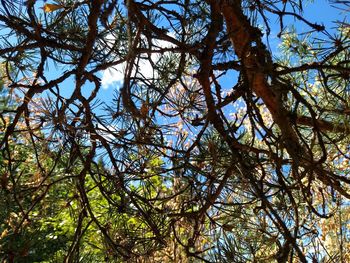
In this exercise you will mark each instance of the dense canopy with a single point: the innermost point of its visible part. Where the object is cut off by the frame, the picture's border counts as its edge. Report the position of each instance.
(174, 131)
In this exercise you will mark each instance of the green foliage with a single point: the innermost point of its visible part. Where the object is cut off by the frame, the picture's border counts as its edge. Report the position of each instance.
(213, 149)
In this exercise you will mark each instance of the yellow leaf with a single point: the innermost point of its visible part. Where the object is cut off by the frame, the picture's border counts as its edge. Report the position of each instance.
(51, 7)
(4, 234)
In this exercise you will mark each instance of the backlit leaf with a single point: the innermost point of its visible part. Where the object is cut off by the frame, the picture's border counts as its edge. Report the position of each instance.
(51, 7)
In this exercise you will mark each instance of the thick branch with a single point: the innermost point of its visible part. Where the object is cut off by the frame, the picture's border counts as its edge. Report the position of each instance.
(255, 62)
(322, 125)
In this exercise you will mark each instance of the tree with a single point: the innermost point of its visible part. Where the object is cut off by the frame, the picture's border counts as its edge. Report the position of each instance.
(213, 148)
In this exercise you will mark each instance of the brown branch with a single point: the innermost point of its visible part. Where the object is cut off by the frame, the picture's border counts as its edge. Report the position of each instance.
(243, 36)
(90, 39)
(322, 125)
(315, 65)
(18, 25)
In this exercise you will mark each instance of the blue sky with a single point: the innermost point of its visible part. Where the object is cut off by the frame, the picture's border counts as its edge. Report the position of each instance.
(317, 12)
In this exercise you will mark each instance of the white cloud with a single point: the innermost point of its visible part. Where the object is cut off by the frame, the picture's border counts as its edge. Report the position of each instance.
(107, 131)
(115, 75)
